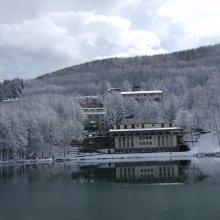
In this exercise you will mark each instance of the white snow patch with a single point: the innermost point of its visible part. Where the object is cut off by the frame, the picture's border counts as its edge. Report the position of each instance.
(207, 143)
(27, 161)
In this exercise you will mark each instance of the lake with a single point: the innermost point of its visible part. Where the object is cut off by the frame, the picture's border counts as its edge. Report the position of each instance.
(174, 189)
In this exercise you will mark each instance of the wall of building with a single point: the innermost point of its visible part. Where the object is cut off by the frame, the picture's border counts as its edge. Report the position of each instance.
(145, 142)
(143, 125)
(96, 115)
(143, 96)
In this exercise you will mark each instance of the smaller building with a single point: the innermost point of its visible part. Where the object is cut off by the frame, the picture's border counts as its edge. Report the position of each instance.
(90, 101)
(146, 137)
(113, 90)
(95, 118)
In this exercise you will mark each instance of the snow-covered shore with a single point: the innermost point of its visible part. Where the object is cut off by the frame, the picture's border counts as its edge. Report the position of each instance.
(108, 158)
(207, 145)
(26, 161)
(134, 157)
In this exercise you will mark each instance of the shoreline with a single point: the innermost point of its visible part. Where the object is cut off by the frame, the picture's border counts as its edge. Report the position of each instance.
(106, 158)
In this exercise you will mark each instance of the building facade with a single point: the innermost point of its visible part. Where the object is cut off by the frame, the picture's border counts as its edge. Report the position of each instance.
(95, 117)
(90, 101)
(153, 95)
(145, 137)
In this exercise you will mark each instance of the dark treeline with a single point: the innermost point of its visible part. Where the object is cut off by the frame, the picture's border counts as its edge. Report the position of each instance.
(11, 89)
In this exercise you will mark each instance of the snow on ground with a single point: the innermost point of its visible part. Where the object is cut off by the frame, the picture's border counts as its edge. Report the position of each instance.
(161, 156)
(27, 161)
(207, 143)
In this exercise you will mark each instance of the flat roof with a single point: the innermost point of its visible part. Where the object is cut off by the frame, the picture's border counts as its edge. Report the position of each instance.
(87, 97)
(144, 129)
(93, 108)
(142, 92)
(94, 113)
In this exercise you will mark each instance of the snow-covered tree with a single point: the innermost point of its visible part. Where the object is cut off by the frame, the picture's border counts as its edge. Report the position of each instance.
(184, 119)
(115, 111)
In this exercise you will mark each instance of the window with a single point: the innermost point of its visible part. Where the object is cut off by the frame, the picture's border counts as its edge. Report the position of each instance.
(162, 141)
(171, 141)
(167, 141)
(158, 141)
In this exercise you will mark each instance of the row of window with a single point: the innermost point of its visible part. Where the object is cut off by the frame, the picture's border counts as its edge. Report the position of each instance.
(145, 137)
(165, 141)
(133, 126)
(126, 142)
(147, 170)
(162, 141)
(163, 171)
(145, 143)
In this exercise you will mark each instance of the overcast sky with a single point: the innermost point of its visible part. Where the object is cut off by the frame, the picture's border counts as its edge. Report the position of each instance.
(40, 36)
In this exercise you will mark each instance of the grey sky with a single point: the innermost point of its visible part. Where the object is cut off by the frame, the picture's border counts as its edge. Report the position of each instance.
(40, 36)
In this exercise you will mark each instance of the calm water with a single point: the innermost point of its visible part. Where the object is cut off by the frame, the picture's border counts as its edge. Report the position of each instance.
(141, 190)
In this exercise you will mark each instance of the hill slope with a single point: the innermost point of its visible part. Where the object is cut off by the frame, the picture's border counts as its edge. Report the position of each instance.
(189, 79)
(195, 65)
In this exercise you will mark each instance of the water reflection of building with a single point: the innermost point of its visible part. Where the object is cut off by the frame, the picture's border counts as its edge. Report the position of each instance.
(141, 172)
(152, 172)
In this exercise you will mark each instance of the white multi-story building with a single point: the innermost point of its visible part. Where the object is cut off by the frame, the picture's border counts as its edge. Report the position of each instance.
(152, 95)
(145, 137)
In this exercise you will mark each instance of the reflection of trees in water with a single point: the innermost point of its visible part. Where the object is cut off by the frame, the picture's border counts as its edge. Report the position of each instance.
(182, 171)
(34, 172)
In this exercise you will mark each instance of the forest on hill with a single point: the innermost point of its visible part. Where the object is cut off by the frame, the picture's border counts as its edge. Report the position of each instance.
(190, 81)
(47, 113)
(11, 89)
